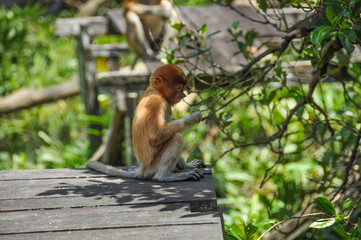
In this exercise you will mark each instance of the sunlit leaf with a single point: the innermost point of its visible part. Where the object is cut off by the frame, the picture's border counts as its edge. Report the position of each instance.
(323, 223)
(45, 137)
(203, 29)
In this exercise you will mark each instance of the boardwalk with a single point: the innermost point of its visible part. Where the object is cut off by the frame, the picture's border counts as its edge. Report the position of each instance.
(81, 204)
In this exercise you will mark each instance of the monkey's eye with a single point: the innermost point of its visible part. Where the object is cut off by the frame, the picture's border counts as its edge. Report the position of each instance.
(179, 88)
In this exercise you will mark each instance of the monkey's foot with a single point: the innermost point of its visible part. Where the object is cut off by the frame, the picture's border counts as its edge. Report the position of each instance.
(196, 164)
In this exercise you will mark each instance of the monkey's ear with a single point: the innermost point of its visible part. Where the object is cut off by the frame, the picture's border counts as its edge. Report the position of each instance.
(159, 81)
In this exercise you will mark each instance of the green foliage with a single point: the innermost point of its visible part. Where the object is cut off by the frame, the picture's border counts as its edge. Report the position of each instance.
(242, 231)
(342, 20)
(45, 136)
(273, 148)
(27, 50)
(340, 222)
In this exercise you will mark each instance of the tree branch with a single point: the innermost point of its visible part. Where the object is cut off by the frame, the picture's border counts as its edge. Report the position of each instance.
(26, 98)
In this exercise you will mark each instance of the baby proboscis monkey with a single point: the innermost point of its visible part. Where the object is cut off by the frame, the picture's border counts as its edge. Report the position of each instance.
(157, 141)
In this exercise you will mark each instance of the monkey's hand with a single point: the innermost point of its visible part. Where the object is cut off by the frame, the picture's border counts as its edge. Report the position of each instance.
(196, 116)
(196, 164)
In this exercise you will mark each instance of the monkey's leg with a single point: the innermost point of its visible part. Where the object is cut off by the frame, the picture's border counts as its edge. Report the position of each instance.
(135, 33)
(170, 155)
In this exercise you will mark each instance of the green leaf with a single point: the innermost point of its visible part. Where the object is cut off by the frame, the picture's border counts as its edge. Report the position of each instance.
(356, 10)
(236, 231)
(45, 137)
(340, 230)
(177, 26)
(323, 223)
(326, 205)
(196, 154)
(272, 95)
(250, 229)
(235, 24)
(319, 22)
(335, 6)
(228, 116)
(329, 13)
(262, 4)
(319, 34)
(348, 203)
(346, 42)
(203, 29)
(350, 33)
(212, 34)
(359, 225)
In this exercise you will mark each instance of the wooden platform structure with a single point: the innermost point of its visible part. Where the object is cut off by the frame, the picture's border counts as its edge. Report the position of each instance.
(82, 204)
(127, 84)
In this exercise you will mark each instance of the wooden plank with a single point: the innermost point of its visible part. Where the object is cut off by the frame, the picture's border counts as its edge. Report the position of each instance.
(197, 231)
(10, 175)
(103, 218)
(109, 50)
(62, 173)
(122, 78)
(81, 204)
(79, 192)
(70, 27)
(112, 188)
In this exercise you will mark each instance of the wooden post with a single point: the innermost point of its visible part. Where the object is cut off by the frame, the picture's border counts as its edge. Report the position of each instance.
(113, 154)
(131, 105)
(88, 84)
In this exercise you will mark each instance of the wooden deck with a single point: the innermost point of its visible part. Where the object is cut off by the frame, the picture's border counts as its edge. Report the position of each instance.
(81, 204)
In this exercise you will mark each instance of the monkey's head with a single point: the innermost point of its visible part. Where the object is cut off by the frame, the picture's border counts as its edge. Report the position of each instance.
(170, 81)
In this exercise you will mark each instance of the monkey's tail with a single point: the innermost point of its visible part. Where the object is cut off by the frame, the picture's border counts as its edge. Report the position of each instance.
(110, 170)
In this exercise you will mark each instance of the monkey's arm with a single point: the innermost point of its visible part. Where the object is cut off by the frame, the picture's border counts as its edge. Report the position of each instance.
(186, 122)
(153, 113)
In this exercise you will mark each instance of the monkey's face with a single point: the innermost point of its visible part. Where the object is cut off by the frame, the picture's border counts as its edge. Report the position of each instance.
(174, 93)
(179, 93)
(170, 81)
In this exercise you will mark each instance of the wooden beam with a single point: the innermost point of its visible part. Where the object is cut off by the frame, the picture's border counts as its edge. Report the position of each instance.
(70, 27)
